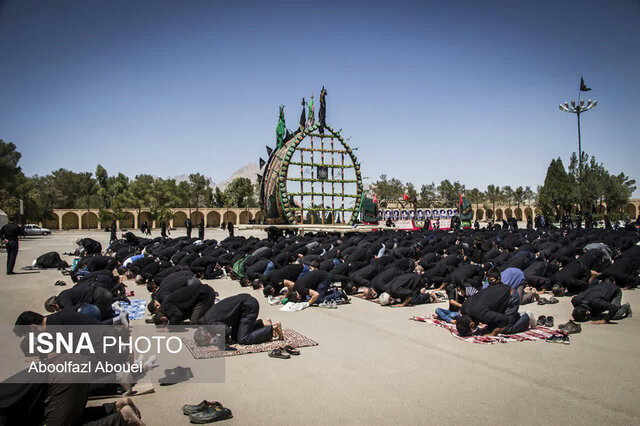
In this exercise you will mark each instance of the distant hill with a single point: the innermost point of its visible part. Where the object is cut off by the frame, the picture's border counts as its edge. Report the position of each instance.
(249, 170)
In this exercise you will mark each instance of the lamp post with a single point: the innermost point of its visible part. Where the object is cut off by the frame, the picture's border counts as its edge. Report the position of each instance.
(578, 108)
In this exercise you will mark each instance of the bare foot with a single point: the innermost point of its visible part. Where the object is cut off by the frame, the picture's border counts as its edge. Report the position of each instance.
(277, 328)
(129, 416)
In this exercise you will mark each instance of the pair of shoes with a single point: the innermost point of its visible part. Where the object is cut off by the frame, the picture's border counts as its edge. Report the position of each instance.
(553, 301)
(543, 301)
(570, 327)
(197, 408)
(175, 375)
(213, 413)
(280, 352)
(325, 304)
(60, 283)
(544, 321)
(559, 338)
(273, 300)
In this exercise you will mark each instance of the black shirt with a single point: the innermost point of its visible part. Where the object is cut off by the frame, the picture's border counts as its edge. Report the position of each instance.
(310, 281)
(179, 305)
(488, 306)
(10, 232)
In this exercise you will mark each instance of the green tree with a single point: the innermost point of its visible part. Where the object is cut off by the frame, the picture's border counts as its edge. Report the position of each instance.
(138, 193)
(494, 195)
(557, 194)
(162, 196)
(219, 199)
(88, 190)
(450, 193)
(10, 177)
(476, 197)
(199, 185)
(428, 195)
(388, 189)
(240, 193)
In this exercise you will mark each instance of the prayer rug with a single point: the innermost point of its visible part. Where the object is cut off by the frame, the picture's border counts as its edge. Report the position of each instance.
(291, 337)
(538, 333)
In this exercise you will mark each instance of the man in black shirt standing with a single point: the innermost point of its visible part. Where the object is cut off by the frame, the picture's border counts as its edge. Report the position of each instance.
(10, 233)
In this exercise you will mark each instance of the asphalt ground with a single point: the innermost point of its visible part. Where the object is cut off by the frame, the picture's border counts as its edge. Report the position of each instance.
(375, 366)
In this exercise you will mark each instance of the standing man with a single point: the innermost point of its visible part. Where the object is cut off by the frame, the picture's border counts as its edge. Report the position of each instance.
(113, 232)
(230, 228)
(201, 230)
(9, 234)
(188, 225)
(163, 229)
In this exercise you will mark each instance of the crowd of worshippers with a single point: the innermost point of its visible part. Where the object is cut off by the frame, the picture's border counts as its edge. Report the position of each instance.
(486, 276)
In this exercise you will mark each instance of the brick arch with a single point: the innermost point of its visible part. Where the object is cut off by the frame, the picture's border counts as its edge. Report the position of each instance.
(230, 216)
(259, 216)
(128, 221)
(517, 213)
(145, 217)
(179, 219)
(213, 218)
(70, 220)
(499, 214)
(196, 217)
(479, 214)
(508, 213)
(245, 216)
(91, 222)
(631, 211)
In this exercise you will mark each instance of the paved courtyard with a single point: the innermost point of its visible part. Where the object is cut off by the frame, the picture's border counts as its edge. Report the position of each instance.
(374, 366)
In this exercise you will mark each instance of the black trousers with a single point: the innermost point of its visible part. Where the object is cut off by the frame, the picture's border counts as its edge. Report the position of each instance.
(12, 254)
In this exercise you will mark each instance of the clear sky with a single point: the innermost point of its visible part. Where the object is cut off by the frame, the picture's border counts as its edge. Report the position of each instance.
(464, 90)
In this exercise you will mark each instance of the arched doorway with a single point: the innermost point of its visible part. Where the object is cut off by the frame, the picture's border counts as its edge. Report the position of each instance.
(508, 213)
(518, 213)
(230, 216)
(179, 219)
(245, 216)
(528, 213)
(499, 214)
(259, 217)
(213, 219)
(479, 214)
(630, 210)
(196, 217)
(127, 222)
(145, 217)
(92, 223)
(489, 214)
(70, 221)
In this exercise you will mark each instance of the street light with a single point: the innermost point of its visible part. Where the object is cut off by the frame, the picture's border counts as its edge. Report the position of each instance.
(577, 109)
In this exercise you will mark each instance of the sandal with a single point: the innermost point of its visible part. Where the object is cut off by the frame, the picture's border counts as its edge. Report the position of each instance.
(291, 350)
(277, 353)
(553, 300)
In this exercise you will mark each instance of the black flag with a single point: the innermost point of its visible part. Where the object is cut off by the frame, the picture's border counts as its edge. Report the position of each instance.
(269, 151)
(303, 116)
(583, 87)
(262, 163)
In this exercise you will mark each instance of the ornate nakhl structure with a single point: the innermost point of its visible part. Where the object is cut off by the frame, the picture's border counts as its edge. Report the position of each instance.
(312, 176)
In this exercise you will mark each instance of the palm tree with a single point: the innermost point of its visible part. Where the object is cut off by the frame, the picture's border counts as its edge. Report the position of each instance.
(494, 194)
